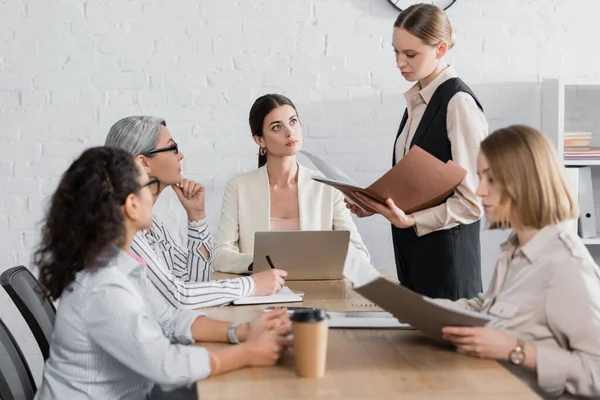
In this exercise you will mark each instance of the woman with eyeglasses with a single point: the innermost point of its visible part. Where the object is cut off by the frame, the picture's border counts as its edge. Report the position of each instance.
(182, 276)
(113, 338)
(280, 194)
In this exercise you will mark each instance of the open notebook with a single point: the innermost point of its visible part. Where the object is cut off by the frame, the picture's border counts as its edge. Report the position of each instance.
(284, 295)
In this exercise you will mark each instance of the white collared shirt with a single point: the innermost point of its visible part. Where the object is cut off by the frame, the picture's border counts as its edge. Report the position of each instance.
(183, 277)
(114, 338)
(467, 127)
(548, 292)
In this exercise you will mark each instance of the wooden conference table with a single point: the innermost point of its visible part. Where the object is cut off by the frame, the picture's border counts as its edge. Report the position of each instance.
(362, 363)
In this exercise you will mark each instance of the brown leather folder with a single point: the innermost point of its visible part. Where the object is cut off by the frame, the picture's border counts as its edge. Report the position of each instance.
(420, 312)
(418, 181)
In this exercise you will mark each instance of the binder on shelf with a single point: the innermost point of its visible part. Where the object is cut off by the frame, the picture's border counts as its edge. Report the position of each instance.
(572, 175)
(587, 213)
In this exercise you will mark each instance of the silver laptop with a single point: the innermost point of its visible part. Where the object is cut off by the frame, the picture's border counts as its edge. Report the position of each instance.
(305, 255)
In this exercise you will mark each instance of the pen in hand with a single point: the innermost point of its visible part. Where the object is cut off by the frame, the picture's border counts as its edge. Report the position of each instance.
(270, 262)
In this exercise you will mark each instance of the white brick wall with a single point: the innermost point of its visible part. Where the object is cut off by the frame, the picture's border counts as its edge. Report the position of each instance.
(70, 69)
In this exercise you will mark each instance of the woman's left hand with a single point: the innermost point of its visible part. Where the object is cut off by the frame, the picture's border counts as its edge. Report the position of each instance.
(392, 213)
(481, 341)
(192, 196)
(277, 320)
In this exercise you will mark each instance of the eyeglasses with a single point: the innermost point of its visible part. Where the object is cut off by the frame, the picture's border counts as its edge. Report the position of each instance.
(173, 148)
(153, 184)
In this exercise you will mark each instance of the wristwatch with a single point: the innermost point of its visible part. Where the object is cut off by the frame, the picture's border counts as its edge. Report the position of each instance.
(231, 333)
(517, 355)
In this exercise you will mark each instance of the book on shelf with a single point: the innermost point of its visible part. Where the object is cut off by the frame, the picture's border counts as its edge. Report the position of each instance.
(577, 135)
(592, 154)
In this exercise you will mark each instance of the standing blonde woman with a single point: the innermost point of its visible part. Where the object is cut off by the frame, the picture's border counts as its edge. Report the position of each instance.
(545, 293)
(437, 250)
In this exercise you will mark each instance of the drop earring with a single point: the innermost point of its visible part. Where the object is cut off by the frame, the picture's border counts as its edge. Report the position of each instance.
(262, 151)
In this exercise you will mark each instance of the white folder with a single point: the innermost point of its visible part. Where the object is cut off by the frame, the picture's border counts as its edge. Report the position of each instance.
(587, 213)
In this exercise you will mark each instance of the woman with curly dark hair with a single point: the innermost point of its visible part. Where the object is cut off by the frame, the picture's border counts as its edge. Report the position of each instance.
(113, 338)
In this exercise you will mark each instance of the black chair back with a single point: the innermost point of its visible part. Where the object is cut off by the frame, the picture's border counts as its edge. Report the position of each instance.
(16, 381)
(38, 311)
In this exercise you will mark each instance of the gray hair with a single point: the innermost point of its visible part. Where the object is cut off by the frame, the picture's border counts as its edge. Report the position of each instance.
(136, 135)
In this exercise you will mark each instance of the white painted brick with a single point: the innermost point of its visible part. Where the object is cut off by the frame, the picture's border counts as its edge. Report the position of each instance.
(126, 46)
(338, 45)
(195, 64)
(49, 168)
(46, 29)
(29, 64)
(120, 98)
(64, 10)
(66, 116)
(18, 151)
(10, 134)
(10, 100)
(112, 10)
(299, 10)
(346, 78)
(4, 223)
(54, 45)
(59, 80)
(179, 98)
(14, 205)
(162, 9)
(122, 80)
(48, 186)
(152, 97)
(18, 117)
(11, 240)
(209, 96)
(35, 99)
(30, 238)
(12, 10)
(21, 187)
(177, 81)
(13, 48)
(151, 64)
(90, 98)
(97, 28)
(14, 82)
(66, 149)
(213, 9)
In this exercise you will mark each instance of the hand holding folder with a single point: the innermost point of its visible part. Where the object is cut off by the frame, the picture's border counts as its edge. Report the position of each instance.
(416, 182)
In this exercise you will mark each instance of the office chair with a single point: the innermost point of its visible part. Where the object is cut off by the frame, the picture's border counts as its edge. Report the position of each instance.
(16, 381)
(39, 312)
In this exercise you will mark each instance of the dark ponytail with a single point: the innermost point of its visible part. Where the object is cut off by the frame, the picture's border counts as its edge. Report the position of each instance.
(260, 109)
(85, 216)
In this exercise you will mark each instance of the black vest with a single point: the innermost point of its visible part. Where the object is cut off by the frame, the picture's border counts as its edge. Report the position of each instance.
(445, 263)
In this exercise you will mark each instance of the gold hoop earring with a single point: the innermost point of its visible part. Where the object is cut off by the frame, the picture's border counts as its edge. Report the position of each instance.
(262, 151)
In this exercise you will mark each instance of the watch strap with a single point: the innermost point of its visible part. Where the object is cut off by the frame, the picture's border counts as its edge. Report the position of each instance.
(231, 333)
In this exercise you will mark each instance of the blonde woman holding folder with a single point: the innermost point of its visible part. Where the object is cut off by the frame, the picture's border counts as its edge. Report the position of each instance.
(280, 194)
(545, 292)
(437, 250)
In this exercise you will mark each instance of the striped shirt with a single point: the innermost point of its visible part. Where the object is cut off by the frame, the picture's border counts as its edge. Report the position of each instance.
(114, 338)
(183, 277)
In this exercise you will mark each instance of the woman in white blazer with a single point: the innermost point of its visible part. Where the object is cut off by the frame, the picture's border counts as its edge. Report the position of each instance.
(280, 194)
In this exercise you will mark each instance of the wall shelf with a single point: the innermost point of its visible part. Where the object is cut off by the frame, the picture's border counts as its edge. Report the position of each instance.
(553, 125)
(591, 241)
(581, 163)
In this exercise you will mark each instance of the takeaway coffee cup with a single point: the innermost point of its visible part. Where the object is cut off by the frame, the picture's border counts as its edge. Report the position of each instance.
(310, 332)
